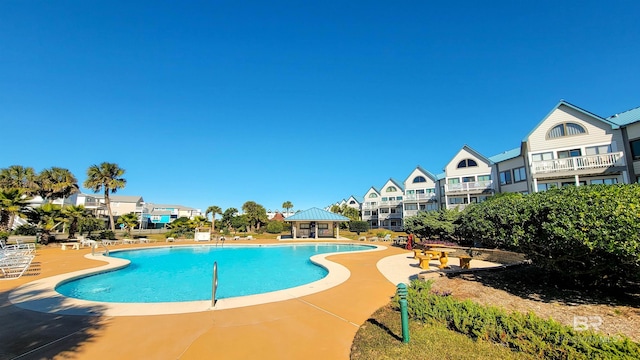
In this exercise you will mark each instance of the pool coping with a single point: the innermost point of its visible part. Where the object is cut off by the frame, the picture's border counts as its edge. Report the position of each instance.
(41, 296)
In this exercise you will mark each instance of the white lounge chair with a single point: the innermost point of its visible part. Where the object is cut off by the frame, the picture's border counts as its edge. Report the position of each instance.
(13, 266)
(129, 241)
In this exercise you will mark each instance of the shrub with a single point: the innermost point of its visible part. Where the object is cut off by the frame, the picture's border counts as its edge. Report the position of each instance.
(521, 332)
(107, 234)
(275, 227)
(590, 234)
(358, 226)
(26, 230)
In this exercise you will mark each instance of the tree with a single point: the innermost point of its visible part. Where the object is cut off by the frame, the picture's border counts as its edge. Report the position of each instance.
(46, 218)
(358, 226)
(287, 205)
(213, 210)
(74, 215)
(200, 221)
(352, 213)
(256, 214)
(107, 177)
(90, 224)
(228, 216)
(56, 183)
(19, 177)
(12, 203)
(130, 221)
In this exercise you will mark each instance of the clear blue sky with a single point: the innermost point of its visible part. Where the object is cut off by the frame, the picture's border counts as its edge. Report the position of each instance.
(220, 102)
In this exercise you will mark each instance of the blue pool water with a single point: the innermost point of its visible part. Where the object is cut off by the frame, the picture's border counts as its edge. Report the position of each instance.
(185, 273)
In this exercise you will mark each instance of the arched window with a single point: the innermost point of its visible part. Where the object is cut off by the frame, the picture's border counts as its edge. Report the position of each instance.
(566, 129)
(373, 195)
(467, 163)
(419, 179)
(391, 189)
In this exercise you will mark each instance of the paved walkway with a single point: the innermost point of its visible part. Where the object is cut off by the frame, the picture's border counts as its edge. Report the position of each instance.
(315, 326)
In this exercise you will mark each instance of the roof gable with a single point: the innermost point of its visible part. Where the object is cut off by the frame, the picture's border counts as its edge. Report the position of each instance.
(571, 106)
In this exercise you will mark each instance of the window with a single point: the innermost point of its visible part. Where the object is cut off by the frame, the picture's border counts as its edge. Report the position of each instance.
(454, 180)
(484, 177)
(384, 199)
(569, 153)
(352, 202)
(542, 156)
(519, 174)
(304, 225)
(373, 195)
(573, 183)
(411, 192)
(505, 177)
(432, 207)
(398, 197)
(323, 226)
(384, 211)
(610, 181)
(547, 186)
(393, 210)
(635, 149)
(565, 129)
(391, 189)
(430, 191)
(467, 163)
(419, 179)
(457, 201)
(420, 191)
(595, 150)
(469, 179)
(367, 212)
(410, 206)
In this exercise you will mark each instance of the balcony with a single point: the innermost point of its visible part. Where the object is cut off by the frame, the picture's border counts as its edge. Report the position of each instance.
(420, 197)
(366, 206)
(579, 163)
(469, 187)
(386, 203)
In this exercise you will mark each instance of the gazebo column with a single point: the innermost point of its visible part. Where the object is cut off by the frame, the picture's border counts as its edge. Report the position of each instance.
(337, 230)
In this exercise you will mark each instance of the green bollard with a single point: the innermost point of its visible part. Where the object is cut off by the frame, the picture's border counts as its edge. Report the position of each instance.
(402, 293)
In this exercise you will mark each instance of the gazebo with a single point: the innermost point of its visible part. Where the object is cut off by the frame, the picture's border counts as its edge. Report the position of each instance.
(315, 224)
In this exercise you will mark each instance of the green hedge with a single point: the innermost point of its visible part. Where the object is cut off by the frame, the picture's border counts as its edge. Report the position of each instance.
(591, 233)
(527, 333)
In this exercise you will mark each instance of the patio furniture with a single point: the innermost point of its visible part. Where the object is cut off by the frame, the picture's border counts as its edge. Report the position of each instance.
(110, 242)
(129, 241)
(170, 239)
(13, 266)
(465, 261)
(73, 245)
(444, 257)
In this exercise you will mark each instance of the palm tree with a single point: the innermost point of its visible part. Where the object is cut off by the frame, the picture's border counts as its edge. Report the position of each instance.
(12, 203)
(18, 177)
(47, 218)
(287, 205)
(213, 210)
(56, 183)
(130, 221)
(74, 215)
(107, 177)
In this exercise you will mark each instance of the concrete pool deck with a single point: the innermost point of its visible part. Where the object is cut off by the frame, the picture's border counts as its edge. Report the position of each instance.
(317, 325)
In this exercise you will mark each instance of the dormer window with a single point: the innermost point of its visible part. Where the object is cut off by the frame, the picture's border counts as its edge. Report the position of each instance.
(566, 129)
(373, 195)
(391, 189)
(419, 179)
(467, 163)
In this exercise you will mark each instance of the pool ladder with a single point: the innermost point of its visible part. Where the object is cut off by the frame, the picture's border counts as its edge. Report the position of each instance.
(214, 286)
(94, 246)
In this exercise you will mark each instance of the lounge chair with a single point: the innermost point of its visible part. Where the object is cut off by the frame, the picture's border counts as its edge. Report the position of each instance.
(13, 266)
(129, 241)
(387, 237)
(109, 242)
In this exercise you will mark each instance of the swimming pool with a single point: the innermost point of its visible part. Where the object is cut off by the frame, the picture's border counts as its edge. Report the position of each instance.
(178, 274)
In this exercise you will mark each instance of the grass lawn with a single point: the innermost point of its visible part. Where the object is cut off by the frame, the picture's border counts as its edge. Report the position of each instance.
(381, 338)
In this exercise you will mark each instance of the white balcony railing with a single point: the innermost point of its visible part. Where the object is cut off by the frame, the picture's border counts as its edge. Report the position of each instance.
(390, 202)
(578, 163)
(469, 186)
(369, 206)
(420, 197)
(408, 213)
